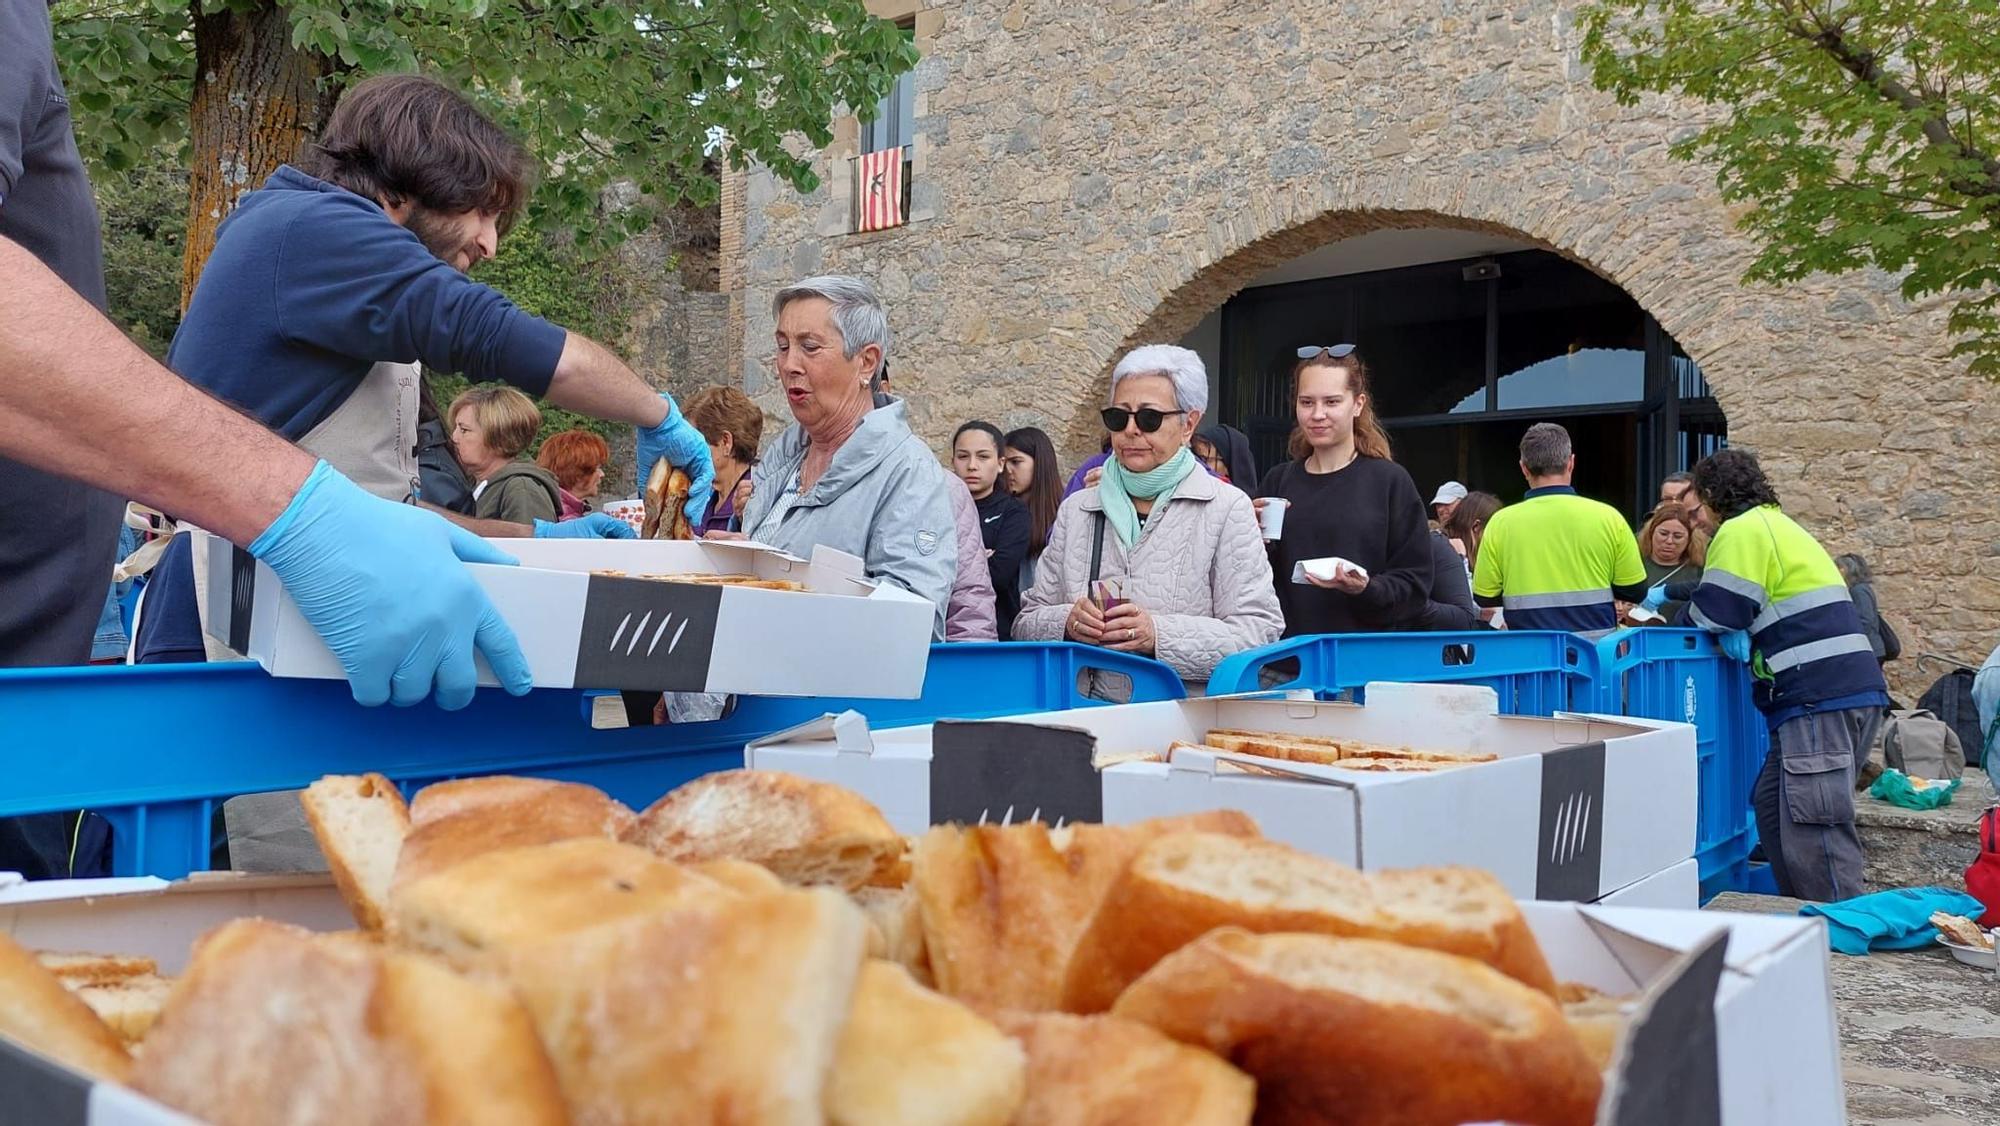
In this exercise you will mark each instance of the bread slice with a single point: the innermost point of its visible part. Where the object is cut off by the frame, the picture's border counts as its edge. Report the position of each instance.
(360, 822)
(128, 1006)
(740, 876)
(804, 830)
(1327, 750)
(473, 816)
(909, 1057)
(37, 1012)
(896, 922)
(272, 1027)
(1184, 885)
(1358, 1031)
(502, 899)
(1961, 930)
(1003, 906)
(1108, 1071)
(76, 968)
(723, 1010)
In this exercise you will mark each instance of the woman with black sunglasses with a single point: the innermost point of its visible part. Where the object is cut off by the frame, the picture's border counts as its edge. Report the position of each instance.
(1346, 500)
(1158, 558)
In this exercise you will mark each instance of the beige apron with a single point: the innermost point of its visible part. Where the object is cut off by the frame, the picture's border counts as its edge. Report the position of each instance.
(371, 438)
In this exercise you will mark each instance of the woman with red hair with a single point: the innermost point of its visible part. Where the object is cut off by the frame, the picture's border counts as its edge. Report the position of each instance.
(577, 458)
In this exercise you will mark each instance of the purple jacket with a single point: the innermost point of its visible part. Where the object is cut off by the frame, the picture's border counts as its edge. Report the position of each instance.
(969, 616)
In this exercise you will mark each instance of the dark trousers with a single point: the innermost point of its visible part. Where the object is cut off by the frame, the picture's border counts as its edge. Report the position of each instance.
(1804, 802)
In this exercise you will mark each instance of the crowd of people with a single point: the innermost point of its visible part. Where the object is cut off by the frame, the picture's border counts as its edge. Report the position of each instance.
(294, 423)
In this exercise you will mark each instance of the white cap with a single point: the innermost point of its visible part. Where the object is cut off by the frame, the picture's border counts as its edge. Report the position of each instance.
(1448, 492)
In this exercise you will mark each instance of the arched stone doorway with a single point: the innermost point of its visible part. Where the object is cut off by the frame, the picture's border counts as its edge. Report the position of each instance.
(1473, 333)
(1348, 242)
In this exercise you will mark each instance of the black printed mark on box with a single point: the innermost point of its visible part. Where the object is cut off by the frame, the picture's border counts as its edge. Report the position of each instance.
(242, 595)
(642, 634)
(1667, 1071)
(40, 1092)
(1571, 847)
(1005, 773)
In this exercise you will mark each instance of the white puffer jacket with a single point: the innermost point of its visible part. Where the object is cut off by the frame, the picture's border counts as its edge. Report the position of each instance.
(1199, 568)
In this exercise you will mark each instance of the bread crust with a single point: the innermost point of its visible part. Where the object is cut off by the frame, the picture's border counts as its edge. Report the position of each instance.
(805, 831)
(1108, 1071)
(1357, 1032)
(1172, 893)
(271, 1026)
(1003, 906)
(723, 1010)
(455, 821)
(911, 1057)
(37, 1011)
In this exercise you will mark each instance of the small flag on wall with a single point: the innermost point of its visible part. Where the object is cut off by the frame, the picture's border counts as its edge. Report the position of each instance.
(878, 192)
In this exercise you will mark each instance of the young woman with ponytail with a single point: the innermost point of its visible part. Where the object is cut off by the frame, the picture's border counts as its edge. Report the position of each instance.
(1348, 499)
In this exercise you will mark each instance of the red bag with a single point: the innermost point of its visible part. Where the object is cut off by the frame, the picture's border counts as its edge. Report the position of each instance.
(1982, 876)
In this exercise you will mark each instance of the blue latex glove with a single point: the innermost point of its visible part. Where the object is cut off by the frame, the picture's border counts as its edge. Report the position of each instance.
(383, 585)
(1656, 597)
(589, 526)
(676, 440)
(1735, 643)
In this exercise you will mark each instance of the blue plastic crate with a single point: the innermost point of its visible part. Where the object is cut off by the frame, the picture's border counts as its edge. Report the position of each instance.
(1534, 672)
(1681, 674)
(156, 749)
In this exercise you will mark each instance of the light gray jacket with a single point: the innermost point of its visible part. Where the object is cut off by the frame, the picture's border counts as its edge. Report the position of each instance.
(883, 499)
(1199, 569)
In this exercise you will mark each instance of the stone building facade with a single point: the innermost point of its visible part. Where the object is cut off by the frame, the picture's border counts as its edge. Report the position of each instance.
(1087, 177)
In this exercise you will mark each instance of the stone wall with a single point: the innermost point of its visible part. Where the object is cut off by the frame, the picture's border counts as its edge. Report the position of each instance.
(1100, 175)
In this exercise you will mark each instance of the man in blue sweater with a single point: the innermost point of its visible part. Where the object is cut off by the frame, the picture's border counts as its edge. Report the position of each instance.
(331, 282)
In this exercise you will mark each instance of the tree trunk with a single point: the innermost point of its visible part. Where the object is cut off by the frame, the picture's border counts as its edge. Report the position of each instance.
(257, 101)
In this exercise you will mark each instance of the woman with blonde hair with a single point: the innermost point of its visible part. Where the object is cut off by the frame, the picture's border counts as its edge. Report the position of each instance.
(1674, 551)
(1346, 499)
(490, 427)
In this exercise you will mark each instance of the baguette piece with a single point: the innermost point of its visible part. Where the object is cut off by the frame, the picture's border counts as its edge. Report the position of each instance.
(474, 816)
(804, 830)
(1182, 886)
(502, 899)
(728, 1009)
(1361, 1032)
(129, 1006)
(272, 1027)
(1599, 1022)
(360, 821)
(909, 1057)
(1003, 906)
(37, 1012)
(76, 968)
(896, 919)
(1108, 1071)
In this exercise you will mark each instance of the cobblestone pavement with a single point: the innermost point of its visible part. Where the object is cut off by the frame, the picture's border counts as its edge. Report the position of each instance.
(1919, 1032)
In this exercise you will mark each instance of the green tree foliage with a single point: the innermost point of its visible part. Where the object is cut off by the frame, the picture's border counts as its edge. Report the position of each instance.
(144, 209)
(601, 90)
(1859, 132)
(584, 290)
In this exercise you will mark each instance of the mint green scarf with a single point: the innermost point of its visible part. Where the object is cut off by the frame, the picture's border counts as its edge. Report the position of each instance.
(1117, 488)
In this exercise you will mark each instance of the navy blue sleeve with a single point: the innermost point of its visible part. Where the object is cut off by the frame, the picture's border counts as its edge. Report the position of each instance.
(355, 283)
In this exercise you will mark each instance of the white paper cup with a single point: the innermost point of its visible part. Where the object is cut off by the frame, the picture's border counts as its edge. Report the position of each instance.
(1272, 517)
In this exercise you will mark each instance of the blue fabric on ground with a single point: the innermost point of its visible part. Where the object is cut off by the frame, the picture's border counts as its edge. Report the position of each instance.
(1898, 919)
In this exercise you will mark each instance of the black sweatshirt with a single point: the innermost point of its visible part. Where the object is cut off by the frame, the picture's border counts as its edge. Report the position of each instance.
(1368, 513)
(1003, 525)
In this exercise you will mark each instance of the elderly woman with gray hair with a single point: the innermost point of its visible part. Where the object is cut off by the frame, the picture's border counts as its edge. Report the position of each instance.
(848, 474)
(1158, 558)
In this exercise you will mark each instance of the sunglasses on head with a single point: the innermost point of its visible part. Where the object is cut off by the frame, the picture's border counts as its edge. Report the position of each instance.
(1150, 420)
(1336, 351)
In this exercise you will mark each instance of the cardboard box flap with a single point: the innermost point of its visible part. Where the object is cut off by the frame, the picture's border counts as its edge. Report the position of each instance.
(1004, 772)
(1753, 939)
(844, 733)
(48, 891)
(1666, 1069)
(1210, 762)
